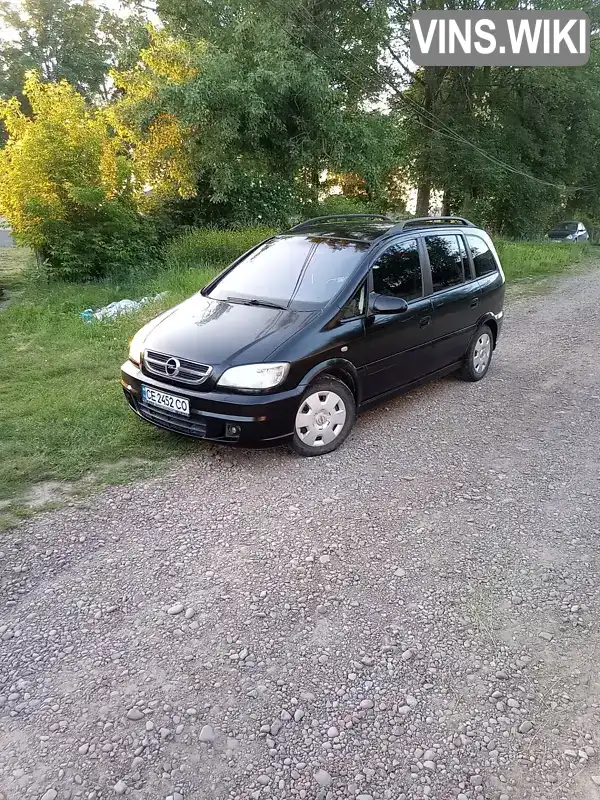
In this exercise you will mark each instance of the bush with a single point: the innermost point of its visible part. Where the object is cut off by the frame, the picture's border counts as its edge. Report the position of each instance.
(199, 247)
(240, 198)
(112, 242)
(339, 204)
(66, 187)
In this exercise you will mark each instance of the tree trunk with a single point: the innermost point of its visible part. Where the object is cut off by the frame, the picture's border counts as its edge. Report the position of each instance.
(316, 182)
(446, 204)
(432, 78)
(423, 198)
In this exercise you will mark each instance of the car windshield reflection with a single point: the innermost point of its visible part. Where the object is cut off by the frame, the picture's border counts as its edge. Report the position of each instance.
(299, 272)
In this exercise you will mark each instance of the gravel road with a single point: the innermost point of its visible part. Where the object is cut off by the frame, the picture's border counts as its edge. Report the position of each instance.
(415, 616)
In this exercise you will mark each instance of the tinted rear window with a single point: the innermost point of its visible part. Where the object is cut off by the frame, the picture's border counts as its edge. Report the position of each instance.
(298, 271)
(483, 258)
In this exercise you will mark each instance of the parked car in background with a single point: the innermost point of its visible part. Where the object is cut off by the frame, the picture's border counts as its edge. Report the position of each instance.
(317, 323)
(569, 232)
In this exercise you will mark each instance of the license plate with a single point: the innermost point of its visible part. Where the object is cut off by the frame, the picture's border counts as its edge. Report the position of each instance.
(179, 405)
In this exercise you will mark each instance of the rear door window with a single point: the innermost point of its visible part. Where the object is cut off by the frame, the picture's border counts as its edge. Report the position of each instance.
(446, 260)
(483, 258)
(397, 271)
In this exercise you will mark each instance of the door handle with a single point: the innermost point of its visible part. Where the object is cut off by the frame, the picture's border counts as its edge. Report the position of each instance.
(474, 302)
(424, 321)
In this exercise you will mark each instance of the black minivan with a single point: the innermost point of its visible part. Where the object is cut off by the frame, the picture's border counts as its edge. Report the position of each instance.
(317, 323)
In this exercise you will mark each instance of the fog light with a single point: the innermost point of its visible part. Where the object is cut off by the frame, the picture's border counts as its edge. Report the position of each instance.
(232, 430)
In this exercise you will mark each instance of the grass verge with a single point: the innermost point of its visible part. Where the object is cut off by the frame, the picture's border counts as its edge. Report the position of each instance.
(62, 414)
(527, 261)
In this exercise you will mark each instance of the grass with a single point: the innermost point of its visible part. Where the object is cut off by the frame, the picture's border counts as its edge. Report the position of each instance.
(62, 413)
(526, 261)
(13, 262)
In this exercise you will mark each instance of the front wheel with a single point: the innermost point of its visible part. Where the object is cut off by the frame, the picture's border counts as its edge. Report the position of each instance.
(479, 355)
(324, 418)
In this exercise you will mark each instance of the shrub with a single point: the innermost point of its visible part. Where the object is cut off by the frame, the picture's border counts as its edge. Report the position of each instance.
(340, 204)
(199, 247)
(66, 188)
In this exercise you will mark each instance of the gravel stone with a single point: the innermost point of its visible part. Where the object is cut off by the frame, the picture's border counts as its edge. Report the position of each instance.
(525, 726)
(207, 734)
(323, 778)
(177, 608)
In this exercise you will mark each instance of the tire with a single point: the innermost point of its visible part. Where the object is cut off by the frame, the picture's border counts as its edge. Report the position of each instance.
(328, 411)
(479, 355)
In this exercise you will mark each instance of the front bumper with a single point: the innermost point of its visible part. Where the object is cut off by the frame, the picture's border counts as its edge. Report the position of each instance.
(245, 419)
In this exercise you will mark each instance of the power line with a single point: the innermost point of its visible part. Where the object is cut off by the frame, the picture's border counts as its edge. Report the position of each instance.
(430, 116)
(450, 132)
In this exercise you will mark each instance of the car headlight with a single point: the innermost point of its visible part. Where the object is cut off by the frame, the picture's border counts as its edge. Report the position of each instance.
(254, 376)
(571, 236)
(136, 346)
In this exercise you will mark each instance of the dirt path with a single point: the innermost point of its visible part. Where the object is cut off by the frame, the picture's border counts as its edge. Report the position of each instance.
(415, 616)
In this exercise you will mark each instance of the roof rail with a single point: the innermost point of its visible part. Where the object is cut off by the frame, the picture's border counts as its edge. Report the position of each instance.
(400, 226)
(339, 216)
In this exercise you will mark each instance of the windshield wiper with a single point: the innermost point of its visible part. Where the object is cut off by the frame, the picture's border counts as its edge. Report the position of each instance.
(253, 301)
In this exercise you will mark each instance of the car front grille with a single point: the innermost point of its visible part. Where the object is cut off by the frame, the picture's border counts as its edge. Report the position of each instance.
(171, 368)
(174, 422)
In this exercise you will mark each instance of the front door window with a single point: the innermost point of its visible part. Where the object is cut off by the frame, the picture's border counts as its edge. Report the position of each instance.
(397, 271)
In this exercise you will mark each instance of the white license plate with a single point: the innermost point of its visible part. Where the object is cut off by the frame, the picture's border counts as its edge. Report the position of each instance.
(179, 405)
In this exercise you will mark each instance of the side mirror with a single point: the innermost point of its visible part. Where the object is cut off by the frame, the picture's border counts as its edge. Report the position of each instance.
(384, 304)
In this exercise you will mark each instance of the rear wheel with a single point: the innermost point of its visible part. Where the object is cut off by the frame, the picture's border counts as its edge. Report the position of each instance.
(479, 355)
(324, 418)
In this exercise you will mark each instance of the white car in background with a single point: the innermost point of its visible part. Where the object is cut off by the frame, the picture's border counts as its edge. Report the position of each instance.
(569, 232)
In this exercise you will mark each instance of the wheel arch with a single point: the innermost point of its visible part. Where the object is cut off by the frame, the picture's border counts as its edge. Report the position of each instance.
(490, 320)
(339, 368)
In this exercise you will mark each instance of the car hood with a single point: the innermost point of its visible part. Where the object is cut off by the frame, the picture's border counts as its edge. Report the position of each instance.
(217, 332)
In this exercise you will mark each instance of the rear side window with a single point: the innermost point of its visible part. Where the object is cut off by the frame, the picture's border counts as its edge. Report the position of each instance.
(446, 260)
(397, 271)
(483, 258)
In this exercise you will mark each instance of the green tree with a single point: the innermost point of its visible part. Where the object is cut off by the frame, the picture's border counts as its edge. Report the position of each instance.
(242, 130)
(508, 146)
(65, 39)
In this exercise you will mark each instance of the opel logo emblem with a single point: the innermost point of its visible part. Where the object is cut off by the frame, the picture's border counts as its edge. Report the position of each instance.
(172, 367)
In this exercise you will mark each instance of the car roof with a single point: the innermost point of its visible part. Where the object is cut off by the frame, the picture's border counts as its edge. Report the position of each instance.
(369, 230)
(361, 230)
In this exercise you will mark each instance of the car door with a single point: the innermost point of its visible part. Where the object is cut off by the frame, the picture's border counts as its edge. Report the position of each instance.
(487, 272)
(397, 343)
(455, 296)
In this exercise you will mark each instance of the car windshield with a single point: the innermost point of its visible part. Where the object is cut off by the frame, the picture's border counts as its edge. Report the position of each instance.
(565, 227)
(300, 272)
